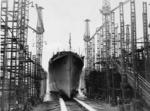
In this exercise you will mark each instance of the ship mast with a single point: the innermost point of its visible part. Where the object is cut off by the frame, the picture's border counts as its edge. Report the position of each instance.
(70, 42)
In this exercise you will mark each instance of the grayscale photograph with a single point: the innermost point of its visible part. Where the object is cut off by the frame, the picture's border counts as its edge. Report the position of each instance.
(75, 55)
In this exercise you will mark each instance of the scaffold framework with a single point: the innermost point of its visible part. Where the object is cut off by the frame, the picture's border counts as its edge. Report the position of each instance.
(19, 81)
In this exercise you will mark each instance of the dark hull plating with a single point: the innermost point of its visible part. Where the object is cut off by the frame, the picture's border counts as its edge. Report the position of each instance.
(65, 69)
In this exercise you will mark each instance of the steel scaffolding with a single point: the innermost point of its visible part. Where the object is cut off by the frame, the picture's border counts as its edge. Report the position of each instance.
(134, 44)
(106, 20)
(93, 53)
(17, 66)
(113, 52)
(122, 47)
(4, 54)
(113, 39)
(146, 41)
(98, 53)
(120, 51)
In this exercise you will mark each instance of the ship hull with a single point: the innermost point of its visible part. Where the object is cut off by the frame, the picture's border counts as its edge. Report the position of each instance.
(65, 73)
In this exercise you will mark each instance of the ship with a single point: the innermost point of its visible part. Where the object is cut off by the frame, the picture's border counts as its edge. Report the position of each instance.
(65, 69)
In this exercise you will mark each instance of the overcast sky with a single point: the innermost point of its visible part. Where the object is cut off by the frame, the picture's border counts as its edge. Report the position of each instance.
(64, 16)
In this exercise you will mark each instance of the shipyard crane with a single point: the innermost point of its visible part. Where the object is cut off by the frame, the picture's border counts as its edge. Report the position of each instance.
(39, 35)
(39, 31)
(99, 28)
(31, 3)
(106, 12)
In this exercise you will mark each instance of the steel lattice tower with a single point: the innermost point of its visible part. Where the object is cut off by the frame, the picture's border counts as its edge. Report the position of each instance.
(87, 44)
(106, 8)
(39, 35)
(146, 41)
